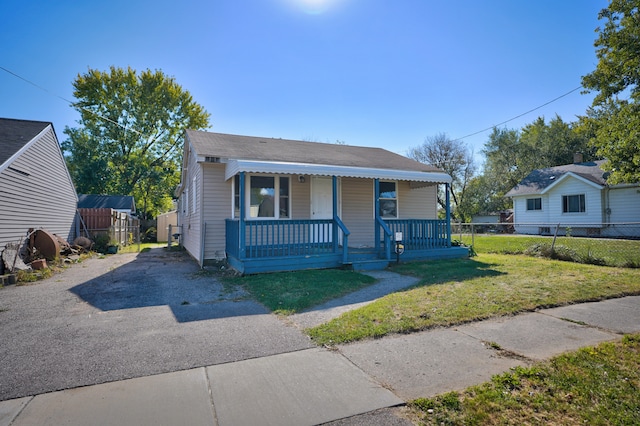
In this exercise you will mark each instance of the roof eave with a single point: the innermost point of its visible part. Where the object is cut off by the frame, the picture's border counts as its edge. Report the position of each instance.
(234, 167)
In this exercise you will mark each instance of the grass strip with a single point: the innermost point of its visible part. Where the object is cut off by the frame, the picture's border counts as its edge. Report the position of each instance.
(286, 293)
(594, 385)
(457, 291)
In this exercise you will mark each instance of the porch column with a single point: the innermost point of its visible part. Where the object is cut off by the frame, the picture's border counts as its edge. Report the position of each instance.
(242, 240)
(334, 230)
(376, 208)
(448, 212)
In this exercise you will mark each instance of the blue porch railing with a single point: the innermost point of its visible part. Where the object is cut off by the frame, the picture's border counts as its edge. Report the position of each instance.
(420, 234)
(280, 238)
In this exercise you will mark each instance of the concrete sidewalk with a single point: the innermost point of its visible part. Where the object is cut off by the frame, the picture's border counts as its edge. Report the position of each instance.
(314, 386)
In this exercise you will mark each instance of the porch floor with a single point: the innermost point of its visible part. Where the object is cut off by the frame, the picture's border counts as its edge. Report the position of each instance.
(285, 258)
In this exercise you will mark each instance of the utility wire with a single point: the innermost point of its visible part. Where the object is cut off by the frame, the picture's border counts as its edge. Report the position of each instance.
(523, 114)
(124, 127)
(68, 101)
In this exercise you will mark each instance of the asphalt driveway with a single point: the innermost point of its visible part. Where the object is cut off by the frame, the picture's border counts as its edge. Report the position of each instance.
(125, 316)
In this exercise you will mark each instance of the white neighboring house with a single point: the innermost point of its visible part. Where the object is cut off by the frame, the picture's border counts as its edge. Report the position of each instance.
(576, 197)
(36, 190)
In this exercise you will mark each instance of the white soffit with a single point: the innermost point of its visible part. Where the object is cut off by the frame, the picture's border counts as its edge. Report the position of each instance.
(234, 167)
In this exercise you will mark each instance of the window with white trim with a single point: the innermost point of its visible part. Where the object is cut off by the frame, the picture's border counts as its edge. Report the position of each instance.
(236, 196)
(388, 200)
(534, 203)
(573, 204)
(268, 196)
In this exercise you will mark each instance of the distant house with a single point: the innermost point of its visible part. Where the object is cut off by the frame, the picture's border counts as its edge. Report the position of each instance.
(271, 204)
(576, 197)
(119, 203)
(36, 190)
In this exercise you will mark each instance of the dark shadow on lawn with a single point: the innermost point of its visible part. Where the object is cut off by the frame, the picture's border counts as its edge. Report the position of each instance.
(160, 277)
(414, 274)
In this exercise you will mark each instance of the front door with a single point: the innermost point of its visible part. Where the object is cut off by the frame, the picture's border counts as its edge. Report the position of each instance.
(322, 207)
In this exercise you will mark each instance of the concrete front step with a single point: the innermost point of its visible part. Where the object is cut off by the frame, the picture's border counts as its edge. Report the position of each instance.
(368, 265)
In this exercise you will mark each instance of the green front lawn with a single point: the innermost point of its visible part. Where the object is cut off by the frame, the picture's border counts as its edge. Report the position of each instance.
(290, 292)
(457, 291)
(604, 251)
(592, 386)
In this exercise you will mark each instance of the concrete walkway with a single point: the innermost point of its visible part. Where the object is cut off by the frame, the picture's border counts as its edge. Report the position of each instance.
(352, 385)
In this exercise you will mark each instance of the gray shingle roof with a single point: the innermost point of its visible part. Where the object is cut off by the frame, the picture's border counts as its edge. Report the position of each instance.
(14, 134)
(116, 202)
(538, 180)
(209, 144)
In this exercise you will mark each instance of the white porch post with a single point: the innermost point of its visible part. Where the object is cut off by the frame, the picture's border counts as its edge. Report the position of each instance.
(448, 213)
(334, 184)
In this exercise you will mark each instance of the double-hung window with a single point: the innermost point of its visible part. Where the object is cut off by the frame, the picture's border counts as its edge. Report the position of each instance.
(388, 200)
(573, 203)
(534, 203)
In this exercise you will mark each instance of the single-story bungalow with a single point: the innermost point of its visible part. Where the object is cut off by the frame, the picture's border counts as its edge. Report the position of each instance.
(576, 197)
(267, 204)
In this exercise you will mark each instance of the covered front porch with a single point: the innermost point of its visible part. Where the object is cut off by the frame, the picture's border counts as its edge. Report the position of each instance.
(255, 245)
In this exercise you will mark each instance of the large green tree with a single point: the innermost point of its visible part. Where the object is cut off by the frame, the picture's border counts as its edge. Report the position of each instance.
(129, 141)
(455, 158)
(511, 154)
(614, 118)
(552, 144)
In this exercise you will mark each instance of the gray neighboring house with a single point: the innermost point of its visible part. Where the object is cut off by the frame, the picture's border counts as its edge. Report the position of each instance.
(120, 203)
(575, 196)
(36, 190)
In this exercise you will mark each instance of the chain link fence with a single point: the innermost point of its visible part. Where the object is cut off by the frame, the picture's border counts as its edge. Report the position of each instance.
(611, 245)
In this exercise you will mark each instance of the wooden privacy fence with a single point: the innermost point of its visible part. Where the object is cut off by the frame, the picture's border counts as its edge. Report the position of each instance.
(120, 226)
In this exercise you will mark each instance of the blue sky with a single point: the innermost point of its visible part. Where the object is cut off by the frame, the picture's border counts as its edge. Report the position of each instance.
(365, 72)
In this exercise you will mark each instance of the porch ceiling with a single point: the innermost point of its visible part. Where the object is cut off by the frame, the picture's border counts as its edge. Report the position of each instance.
(234, 167)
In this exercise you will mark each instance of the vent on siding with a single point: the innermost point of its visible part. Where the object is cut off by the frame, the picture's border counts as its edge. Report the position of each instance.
(211, 159)
(23, 173)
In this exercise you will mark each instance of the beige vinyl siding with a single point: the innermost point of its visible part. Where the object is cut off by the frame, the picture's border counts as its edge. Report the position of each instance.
(36, 192)
(419, 203)
(217, 204)
(357, 210)
(300, 198)
(189, 219)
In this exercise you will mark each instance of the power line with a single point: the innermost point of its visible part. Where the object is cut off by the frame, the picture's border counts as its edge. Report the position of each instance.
(520, 115)
(121, 125)
(68, 101)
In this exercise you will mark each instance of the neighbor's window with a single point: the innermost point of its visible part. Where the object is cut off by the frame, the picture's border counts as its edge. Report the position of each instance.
(534, 203)
(573, 204)
(388, 200)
